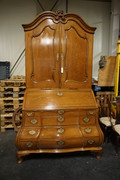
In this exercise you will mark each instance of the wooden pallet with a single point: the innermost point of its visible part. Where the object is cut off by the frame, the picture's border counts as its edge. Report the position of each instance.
(10, 101)
(18, 77)
(11, 97)
(6, 121)
(12, 89)
(15, 94)
(8, 126)
(7, 110)
(16, 82)
(11, 105)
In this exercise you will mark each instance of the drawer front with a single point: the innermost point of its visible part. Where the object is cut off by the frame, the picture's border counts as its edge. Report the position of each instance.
(85, 120)
(60, 132)
(31, 113)
(27, 145)
(32, 121)
(59, 120)
(60, 144)
(88, 117)
(60, 112)
(91, 142)
(28, 113)
(89, 131)
(30, 133)
(60, 117)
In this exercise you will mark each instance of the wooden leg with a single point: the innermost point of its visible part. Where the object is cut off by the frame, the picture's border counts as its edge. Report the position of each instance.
(20, 155)
(19, 158)
(98, 154)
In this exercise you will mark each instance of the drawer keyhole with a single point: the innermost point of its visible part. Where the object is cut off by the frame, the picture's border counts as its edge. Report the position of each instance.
(60, 119)
(60, 130)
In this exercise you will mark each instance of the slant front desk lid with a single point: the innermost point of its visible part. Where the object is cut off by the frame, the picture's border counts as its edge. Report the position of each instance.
(36, 99)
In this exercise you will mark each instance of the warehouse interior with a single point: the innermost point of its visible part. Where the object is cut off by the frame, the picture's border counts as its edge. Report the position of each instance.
(104, 15)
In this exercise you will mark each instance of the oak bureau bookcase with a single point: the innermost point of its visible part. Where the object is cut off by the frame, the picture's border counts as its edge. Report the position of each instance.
(59, 112)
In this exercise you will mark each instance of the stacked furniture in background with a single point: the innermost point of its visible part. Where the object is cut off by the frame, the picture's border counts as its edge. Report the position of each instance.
(104, 101)
(11, 97)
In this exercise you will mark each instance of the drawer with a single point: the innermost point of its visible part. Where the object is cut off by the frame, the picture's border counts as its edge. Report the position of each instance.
(60, 112)
(88, 112)
(27, 145)
(89, 131)
(59, 120)
(30, 133)
(85, 120)
(60, 144)
(88, 117)
(60, 132)
(32, 121)
(91, 142)
(63, 118)
(31, 113)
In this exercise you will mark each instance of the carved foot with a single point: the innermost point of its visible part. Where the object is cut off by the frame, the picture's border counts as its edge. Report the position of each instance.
(98, 154)
(19, 159)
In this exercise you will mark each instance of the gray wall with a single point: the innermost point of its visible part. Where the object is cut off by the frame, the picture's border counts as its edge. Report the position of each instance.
(14, 13)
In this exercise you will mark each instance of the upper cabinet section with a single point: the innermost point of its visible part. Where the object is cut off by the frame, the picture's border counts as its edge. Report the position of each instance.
(58, 51)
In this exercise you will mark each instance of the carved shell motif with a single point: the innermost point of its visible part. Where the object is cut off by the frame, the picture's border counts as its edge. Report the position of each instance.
(60, 16)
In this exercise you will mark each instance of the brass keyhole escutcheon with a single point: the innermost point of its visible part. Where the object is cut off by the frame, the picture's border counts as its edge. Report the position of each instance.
(61, 143)
(29, 144)
(88, 130)
(86, 119)
(60, 111)
(29, 114)
(60, 130)
(91, 112)
(60, 119)
(90, 141)
(34, 121)
(60, 93)
(32, 132)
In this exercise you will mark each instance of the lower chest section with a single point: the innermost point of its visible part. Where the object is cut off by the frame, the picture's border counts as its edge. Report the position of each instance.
(59, 129)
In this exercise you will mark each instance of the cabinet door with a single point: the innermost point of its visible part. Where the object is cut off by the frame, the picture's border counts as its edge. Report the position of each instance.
(42, 47)
(76, 56)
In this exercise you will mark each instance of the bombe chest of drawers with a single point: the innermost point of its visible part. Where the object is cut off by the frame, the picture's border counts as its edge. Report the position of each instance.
(59, 112)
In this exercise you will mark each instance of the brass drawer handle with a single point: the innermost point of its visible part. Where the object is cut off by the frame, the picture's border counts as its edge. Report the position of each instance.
(91, 112)
(29, 114)
(34, 121)
(88, 130)
(60, 93)
(90, 141)
(29, 144)
(32, 132)
(61, 143)
(86, 119)
(60, 130)
(60, 119)
(60, 111)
